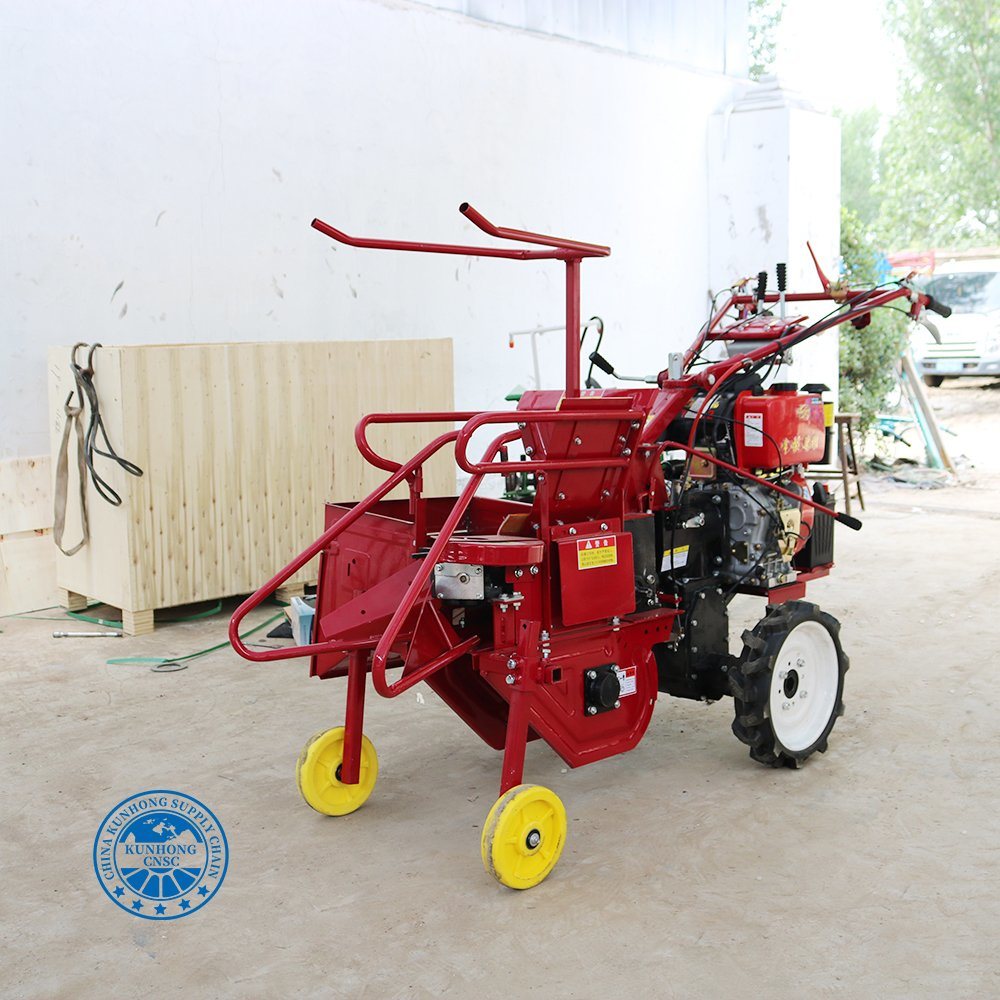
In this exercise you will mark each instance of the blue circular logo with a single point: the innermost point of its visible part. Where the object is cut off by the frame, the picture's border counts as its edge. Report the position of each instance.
(161, 855)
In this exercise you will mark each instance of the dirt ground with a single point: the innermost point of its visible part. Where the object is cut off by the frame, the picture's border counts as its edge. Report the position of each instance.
(689, 871)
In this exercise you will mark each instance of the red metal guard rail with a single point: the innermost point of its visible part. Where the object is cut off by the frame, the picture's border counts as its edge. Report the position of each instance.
(260, 595)
(523, 417)
(406, 605)
(388, 464)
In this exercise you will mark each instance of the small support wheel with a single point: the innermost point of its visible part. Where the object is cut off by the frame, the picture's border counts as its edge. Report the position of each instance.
(318, 774)
(788, 685)
(523, 836)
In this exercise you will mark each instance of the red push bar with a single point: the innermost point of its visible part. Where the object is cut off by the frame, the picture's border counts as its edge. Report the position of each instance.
(569, 251)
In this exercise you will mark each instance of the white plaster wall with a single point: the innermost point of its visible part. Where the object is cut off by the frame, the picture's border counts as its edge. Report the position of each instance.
(774, 168)
(180, 149)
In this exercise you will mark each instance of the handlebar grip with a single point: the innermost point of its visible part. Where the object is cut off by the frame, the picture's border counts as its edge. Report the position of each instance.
(852, 522)
(761, 285)
(939, 307)
(782, 270)
(602, 363)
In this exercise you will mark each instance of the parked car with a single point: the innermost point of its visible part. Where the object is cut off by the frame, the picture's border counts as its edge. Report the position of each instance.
(968, 342)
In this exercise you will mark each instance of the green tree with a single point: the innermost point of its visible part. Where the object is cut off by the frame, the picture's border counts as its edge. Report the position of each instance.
(868, 357)
(939, 165)
(859, 164)
(764, 18)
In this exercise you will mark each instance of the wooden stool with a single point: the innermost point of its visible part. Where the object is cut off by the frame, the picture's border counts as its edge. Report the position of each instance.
(847, 471)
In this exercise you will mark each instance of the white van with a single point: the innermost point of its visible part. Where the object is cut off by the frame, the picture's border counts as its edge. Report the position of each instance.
(967, 342)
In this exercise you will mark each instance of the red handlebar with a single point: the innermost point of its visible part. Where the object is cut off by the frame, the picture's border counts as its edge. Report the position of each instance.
(560, 248)
(502, 232)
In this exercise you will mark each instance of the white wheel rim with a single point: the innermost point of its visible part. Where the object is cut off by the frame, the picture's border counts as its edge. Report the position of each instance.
(804, 686)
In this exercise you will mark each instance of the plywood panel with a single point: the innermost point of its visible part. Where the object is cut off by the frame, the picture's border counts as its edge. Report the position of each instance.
(25, 494)
(27, 572)
(27, 553)
(241, 445)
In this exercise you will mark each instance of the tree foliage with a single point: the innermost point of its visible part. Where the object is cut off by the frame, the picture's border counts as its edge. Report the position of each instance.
(859, 164)
(932, 181)
(765, 16)
(868, 357)
(939, 164)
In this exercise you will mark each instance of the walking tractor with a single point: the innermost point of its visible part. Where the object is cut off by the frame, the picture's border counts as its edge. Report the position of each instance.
(563, 614)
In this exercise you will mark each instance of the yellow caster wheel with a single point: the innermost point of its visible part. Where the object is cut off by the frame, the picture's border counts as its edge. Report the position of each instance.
(524, 836)
(318, 774)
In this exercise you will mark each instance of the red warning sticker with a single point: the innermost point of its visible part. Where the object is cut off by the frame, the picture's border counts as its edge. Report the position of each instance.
(594, 552)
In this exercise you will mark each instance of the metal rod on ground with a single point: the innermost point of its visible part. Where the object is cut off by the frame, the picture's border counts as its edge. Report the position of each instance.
(933, 459)
(86, 635)
(925, 415)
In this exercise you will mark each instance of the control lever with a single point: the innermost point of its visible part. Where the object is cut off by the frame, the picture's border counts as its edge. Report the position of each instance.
(609, 369)
(761, 288)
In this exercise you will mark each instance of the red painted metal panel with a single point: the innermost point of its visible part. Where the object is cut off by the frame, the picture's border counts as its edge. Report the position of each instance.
(596, 578)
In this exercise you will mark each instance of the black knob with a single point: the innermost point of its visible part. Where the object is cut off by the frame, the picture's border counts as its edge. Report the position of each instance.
(603, 689)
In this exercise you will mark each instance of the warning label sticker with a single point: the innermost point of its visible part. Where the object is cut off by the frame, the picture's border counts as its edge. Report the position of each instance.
(626, 680)
(753, 430)
(594, 552)
(674, 558)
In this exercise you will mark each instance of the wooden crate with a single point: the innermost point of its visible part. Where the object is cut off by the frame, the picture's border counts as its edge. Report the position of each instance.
(241, 445)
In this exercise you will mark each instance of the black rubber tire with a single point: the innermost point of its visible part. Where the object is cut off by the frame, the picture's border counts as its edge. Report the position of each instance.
(750, 683)
(934, 381)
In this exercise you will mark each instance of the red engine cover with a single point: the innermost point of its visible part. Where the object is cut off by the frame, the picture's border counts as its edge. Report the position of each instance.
(781, 427)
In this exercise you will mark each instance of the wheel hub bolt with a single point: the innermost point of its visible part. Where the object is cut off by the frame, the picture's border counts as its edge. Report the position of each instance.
(782, 674)
(786, 706)
(802, 694)
(533, 839)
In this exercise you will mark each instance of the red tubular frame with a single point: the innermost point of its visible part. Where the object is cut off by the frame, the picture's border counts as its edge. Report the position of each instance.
(570, 251)
(410, 598)
(576, 247)
(432, 417)
(259, 596)
(537, 417)
(401, 473)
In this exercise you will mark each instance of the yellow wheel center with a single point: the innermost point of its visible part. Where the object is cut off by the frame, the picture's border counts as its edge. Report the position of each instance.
(524, 836)
(319, 770)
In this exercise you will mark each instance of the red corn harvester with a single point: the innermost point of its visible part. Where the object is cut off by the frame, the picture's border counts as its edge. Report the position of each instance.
(562, 615)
